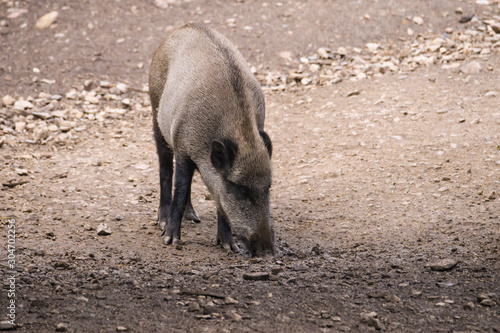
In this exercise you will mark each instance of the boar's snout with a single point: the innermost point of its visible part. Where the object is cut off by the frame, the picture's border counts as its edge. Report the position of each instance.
(262, 242)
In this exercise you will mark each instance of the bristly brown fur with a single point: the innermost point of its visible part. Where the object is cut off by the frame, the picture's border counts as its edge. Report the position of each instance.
(208, 109)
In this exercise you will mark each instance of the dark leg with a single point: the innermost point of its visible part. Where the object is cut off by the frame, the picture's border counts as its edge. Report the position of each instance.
(189, 213)
(165, 158)
(184, 169)
(224, 236)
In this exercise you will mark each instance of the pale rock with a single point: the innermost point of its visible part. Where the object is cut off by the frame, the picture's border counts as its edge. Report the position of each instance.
(103, 229)
(53, 128)
(122, 87)
(72, 94)
(46, 20)
(443, 265)
(372, 47)
(22, 105)
(323, 53)
(8, 100)
(472, 67)
(314, 68)
(418, 20)
(19, 126)
(92, 99)
(21, 171)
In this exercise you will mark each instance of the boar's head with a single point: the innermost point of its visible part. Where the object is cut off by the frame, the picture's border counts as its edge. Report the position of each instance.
(244, 167)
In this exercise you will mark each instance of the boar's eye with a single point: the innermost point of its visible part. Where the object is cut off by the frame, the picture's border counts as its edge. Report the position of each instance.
(241, 192)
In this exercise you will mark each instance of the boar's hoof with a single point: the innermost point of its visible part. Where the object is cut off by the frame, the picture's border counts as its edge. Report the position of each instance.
(163, 224)
(171, 240)
(229, 246)
(191, 216)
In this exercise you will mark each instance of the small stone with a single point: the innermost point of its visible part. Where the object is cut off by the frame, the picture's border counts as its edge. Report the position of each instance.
(473, 67)
(257, 276)
(370, 320)
(443, 265)
(194, 307)
(22, 105)
(287, 55)
(21, 171)
(314, 68)
(492, 195)
(230, 301)
(469, 306)
(61, 327)
(373, 47)
(210, 308)
(203, 317)
(103, 229)
(53, 128)
(6, 325)
(92, 99)
(8, 100)
(466, 18)
(122, 87)
(323, 53)
(46, 20)
(121, 329)
(353, 93)
(487, 302)
(418, 20)
(235, 316)
(19, 126)
(72, 94)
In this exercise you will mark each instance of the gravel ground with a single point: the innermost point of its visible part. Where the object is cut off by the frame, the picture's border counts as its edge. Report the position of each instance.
(385, 124)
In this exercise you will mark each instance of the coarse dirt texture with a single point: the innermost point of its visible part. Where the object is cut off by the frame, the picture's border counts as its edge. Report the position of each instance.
(376, 180)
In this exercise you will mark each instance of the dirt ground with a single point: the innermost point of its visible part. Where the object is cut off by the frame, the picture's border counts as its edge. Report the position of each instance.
(376, 181)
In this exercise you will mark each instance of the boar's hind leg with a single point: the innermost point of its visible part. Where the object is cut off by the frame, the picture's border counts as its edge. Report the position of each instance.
(184, 169)
(224, 236)
(165, 157)
(189, 213)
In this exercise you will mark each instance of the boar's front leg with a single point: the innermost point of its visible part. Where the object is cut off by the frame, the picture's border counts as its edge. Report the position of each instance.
(184, 169)
(224, 236)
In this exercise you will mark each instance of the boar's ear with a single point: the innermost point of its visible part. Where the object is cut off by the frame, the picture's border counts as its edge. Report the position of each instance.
(267, 142)
(223, 154)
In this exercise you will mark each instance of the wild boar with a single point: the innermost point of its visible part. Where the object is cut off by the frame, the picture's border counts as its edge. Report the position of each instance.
(208, 114)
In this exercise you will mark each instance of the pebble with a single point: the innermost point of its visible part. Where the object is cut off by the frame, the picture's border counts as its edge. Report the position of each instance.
(103, 229)
(370, 320)
(121, 329)
(21, 171)
(22, 104)
(229, 301)
(6, 325)
(61, 327)
(469, 306)
(8, 100)
(257, 276)
(471, 68)
(487, 302)
(443, 265)
(19, 126)
(491, 94)
(46, 20)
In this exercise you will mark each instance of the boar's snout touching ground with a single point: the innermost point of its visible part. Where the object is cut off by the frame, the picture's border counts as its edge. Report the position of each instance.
(208, 114)
(245, 180)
